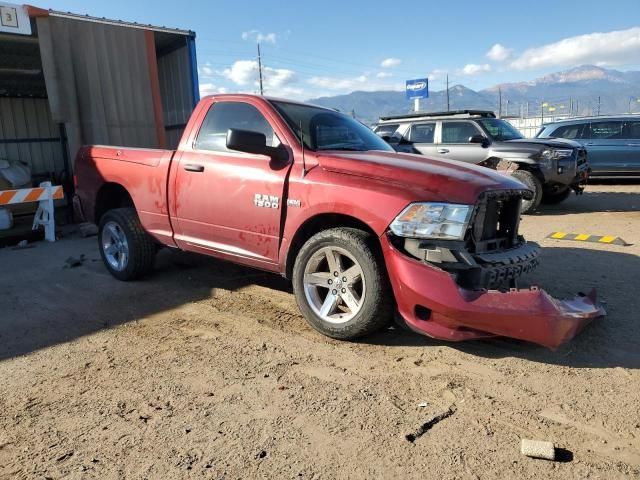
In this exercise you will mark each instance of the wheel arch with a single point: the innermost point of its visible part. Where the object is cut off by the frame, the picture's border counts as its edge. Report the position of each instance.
(111, 195)
(318, 223)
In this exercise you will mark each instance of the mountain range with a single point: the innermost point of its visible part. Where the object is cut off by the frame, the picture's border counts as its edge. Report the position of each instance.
(584, 90)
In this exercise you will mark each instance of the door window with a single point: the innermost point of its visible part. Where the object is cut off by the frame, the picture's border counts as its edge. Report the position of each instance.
(225, 115)
(606, 130)
(458, 132)
(633, 130)
(422, 133)
(571, 132)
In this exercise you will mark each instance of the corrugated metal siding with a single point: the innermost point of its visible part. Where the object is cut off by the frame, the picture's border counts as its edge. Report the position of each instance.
(175, 90)
(30, 118)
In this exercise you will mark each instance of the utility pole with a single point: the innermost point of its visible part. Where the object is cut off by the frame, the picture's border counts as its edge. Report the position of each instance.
(448, 94)
(542, 112)
(527, 114)
(506, 113)
(499, 102)
(598, 105)
(260, 70)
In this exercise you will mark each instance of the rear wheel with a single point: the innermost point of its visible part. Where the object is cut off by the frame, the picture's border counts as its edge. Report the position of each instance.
(126, 249)
(553, 198)
(533, 184)
(341, 285)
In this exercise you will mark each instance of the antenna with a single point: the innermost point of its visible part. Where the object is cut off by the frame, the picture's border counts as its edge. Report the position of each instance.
(304, 165)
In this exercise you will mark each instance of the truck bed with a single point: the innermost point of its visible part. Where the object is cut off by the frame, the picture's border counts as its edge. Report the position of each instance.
(143, 172)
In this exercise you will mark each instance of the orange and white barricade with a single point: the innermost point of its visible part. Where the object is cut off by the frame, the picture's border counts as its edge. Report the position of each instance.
(45, 194)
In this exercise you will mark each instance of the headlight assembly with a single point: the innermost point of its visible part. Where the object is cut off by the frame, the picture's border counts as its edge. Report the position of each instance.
(443, 221)
(555, 153)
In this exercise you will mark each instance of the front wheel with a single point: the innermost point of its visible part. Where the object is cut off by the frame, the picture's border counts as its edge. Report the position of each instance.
(533, 184)
(126, 249)
(341, 285)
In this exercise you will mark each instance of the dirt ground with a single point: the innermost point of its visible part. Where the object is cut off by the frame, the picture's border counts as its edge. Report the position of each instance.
(207, 370)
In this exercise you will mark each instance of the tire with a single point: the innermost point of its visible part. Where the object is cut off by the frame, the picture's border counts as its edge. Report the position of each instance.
(533, 184)
(343, 309)
(553, 198)
(126, 249)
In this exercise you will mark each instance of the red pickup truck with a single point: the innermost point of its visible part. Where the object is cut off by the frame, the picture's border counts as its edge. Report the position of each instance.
(363, 232)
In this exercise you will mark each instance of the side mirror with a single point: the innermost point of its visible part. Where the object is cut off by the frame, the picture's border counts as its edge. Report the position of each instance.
(391, 139)
(247, 141)
(481, 139)
(254, 142)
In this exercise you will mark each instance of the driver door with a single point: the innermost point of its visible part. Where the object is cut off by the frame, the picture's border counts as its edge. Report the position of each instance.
(454, 142)
(228, 201)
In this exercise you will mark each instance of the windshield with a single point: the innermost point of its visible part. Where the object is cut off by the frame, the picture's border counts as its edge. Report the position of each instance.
(500, 130)
(325, 129)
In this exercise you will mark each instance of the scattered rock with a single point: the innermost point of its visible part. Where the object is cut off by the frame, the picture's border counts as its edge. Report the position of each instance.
(538, 449)
(87, 229)
(73, 262)
(423, 404)
(261, 454)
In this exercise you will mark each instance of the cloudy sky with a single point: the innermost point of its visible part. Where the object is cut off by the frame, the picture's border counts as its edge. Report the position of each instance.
(312, 49)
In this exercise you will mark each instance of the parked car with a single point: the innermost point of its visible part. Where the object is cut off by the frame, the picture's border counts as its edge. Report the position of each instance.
(316, 196)
(551, 169)
(613, 143)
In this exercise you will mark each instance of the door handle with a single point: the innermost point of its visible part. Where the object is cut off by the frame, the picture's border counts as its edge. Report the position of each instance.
(443, 150)
(190, 167)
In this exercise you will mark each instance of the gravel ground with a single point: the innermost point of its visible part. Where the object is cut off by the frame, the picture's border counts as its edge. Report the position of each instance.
(207, 370)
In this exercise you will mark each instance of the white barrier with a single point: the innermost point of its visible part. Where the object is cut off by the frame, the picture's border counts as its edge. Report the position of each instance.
(45, 194)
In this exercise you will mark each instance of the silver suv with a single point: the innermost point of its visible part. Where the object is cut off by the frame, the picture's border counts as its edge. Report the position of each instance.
(613, 143)
(550, 168)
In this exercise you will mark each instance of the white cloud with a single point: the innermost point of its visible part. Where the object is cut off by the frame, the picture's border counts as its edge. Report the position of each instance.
(437, 74)
(499, 53)
(384, 74)
(475, 69)
(206, 70)
(275, 81)
(333, 83)
(210, 89)
(620, 47)
(242, 72)
(390, 62)
(277, 77)
(259, 36)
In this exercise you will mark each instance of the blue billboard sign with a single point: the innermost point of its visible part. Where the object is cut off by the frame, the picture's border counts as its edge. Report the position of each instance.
(418, 88)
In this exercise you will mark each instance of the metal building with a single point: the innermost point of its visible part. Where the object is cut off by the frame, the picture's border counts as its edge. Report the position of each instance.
(67, 80)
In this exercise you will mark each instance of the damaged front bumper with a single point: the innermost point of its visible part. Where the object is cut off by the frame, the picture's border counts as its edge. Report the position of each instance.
(432, 303)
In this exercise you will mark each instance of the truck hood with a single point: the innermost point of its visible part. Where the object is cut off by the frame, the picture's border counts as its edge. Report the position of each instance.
(435, 180)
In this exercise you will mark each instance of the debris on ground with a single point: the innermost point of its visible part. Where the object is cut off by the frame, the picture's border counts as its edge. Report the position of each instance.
(425, 427)
(87, 229)
(73, 262)
(538, 449)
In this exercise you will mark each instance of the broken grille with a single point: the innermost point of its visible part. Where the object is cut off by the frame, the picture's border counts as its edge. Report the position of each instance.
(496, 220)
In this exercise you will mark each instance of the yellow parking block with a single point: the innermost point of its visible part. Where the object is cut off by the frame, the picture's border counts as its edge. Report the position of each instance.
(585, 237)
